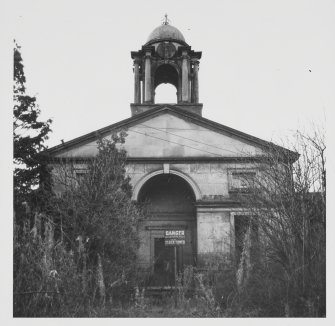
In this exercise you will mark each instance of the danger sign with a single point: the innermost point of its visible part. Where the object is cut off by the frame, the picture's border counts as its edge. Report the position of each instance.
(174, 237)
(174, 233)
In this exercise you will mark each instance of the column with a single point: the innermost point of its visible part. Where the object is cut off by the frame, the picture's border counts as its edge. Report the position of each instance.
(192, 87)
(147, 79)
(143, 90)
(196, 82)
(137, 85)
(184, 82)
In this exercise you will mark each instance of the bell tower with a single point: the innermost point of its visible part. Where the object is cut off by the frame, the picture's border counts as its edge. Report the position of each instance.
(166, 58)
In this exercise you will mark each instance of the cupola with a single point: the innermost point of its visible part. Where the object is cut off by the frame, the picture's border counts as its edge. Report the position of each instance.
(166, 58)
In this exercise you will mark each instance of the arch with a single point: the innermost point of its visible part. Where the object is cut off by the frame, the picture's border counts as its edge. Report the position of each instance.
(169, 203)
(143, 180)
(166, 73)
(166, 93)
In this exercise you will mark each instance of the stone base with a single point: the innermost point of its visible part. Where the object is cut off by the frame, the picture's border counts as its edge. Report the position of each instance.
(195, 108)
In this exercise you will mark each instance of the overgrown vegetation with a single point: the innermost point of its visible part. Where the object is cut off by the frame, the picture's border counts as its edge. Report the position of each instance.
(85, 244)
(287, 203)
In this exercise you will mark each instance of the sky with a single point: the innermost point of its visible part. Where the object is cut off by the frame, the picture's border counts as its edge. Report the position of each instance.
(267, 67)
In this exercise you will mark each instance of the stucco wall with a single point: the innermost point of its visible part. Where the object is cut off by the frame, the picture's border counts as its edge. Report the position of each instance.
(212, 179)
(214, 231)
(215, 226)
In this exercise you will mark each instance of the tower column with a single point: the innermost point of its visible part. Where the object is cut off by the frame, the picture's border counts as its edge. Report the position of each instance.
(184, 82)
(137, 85)
(143, 90)
(147, 79)
(196, 82)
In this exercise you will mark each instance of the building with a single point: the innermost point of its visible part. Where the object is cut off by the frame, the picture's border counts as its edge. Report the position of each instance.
(188, 168)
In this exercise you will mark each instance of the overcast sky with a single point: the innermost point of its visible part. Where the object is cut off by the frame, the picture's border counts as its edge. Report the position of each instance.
(267, 67)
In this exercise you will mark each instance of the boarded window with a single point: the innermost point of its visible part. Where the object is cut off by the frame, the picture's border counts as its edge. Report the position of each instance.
(80, 174)
(245, 226)
(241, 180)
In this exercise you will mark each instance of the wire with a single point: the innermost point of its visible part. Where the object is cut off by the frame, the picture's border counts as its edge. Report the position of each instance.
(196, 141)
(176, 128)
(172, 142)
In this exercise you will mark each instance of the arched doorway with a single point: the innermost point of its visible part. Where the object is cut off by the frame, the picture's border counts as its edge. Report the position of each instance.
(170, 206)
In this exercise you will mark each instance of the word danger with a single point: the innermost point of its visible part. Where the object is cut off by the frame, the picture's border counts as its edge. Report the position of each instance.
(174, 234)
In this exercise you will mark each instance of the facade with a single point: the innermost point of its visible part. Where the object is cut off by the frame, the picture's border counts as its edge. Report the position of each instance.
(185, 167)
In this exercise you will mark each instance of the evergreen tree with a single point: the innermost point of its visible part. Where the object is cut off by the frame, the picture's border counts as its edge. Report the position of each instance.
(29, 136)
(97, 215)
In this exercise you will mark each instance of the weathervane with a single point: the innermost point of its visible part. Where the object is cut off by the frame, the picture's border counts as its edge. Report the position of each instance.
(166, 21)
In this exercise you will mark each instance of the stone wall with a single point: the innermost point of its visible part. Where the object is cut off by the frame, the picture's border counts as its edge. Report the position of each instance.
(212, 179)
(215, 221)
(214, 216)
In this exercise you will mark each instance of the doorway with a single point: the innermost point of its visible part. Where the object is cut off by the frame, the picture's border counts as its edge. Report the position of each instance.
(164, 264)
(170, 205)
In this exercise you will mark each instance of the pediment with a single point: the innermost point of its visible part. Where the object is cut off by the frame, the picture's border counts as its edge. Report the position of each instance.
(169, 133)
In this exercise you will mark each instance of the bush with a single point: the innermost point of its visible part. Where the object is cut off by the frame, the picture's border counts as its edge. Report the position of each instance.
(95, 223)
(46, 282)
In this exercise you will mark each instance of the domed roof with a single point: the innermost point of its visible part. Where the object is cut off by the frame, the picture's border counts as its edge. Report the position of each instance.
(166, 31)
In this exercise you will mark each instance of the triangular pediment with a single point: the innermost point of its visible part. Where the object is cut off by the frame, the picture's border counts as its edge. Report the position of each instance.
(168, 132)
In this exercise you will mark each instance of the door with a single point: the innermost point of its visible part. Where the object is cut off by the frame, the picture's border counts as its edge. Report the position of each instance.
(164, 264)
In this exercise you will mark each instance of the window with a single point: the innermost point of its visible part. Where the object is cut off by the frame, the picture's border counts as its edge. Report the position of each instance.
(80, 174)
(241, 180)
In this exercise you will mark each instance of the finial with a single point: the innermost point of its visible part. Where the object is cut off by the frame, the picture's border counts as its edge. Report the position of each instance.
(166, 20)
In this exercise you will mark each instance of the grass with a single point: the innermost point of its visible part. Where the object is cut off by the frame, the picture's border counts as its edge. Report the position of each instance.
(165, 308)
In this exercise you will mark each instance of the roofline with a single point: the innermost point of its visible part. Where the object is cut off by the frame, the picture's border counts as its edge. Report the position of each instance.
(190, 159)
(174, 109)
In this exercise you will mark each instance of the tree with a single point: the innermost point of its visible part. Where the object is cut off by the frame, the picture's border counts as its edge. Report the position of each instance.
(287, 200)
(82, 248)
(29, 136)
(96, 213)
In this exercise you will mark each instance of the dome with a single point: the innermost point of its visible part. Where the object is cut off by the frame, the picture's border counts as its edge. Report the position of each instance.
(166, 31)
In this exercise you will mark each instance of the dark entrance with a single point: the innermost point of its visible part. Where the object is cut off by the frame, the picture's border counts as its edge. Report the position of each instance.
(164, 263)
(170, 206)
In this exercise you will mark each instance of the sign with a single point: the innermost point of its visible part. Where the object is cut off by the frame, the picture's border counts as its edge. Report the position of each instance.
(174, 237)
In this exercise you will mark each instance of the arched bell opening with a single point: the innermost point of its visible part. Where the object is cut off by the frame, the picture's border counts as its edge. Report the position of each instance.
(170, 206)
(166, 93)
(166, 74)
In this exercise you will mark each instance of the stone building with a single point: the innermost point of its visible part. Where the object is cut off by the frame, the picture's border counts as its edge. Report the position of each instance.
(186, 167)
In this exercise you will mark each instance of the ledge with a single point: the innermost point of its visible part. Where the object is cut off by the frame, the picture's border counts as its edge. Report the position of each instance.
(218, 204)
(195, 108)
